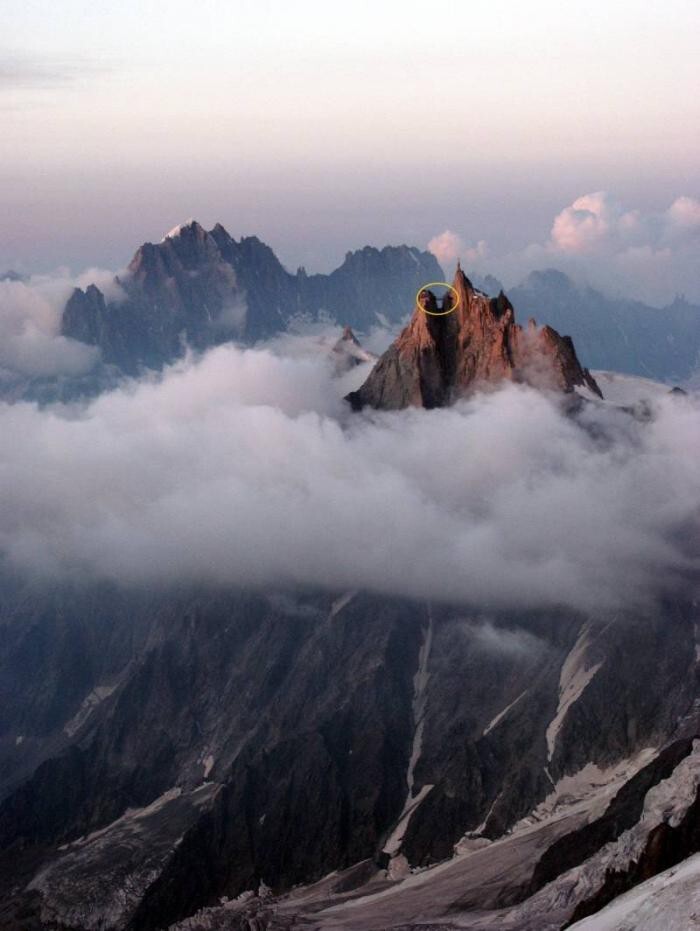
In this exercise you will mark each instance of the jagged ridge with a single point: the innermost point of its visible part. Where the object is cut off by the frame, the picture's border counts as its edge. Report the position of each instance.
(203, 287)
(437, 359)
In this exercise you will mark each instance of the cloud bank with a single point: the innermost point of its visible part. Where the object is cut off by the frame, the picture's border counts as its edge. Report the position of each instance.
(31, 344)
(449, 247)
(649, 255)
(597, 223)
(245, 468)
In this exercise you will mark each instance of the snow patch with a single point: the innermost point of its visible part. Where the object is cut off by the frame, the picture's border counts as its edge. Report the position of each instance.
(177, 230)
(208, 764)
(131, 815)
(420, 700)
(575, 677)
(628, 389)
(96, 882)
(473, 840)
(393, 844)
(584, 391)
(575, 791)
(501, 714)
(338, 605)
(97, 695)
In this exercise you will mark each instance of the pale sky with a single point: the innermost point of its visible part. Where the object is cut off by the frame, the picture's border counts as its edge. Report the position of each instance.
(323, 127)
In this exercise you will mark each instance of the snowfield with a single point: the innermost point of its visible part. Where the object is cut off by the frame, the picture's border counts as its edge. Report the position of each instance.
(667, 902)
(629, 389)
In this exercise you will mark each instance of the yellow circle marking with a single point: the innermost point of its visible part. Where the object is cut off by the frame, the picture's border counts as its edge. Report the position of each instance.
(437, 313)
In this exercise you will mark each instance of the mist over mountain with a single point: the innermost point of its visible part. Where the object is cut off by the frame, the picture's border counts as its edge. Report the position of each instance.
(272, 659)
(350, 590)
(204, 288)
(253, 638)
(65, 337)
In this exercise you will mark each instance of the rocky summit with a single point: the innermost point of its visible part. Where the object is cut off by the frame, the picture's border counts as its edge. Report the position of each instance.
(199, 288)
(466, 342)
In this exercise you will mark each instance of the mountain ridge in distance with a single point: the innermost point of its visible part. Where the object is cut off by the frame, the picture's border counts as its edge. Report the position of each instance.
(616, 333)
(199, 289)
(204, 287)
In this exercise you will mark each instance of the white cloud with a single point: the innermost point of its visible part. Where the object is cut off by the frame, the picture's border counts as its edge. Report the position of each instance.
(31, 345)
(103, 279)
(245, 468)
(448, 247)
(648, 255)
(683, 217)
(584, 226)
(486, 636)
(599, 223)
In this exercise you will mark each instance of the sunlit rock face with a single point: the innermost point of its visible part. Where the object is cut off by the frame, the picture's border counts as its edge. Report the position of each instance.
(443, 355)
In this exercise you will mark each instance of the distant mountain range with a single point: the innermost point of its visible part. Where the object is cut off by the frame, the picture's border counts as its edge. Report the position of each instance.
(201, 288)
(616, 334)
(197, 288)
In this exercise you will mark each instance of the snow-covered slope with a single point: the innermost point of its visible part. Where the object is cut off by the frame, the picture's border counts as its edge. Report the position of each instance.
(629, 389)
(667, 902)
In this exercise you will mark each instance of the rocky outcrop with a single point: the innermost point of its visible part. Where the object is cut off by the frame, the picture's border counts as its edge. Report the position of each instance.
(667, 844)
(622, 814)
(468, 342)
(348, 352)
(111, 721)
(199, 288)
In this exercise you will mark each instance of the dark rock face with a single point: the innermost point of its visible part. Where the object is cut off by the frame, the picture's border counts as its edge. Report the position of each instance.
(443, 355)
(300, 715)
(666, 846)
(202, 288)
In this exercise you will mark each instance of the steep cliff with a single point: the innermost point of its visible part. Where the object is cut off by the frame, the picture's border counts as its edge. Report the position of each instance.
(469, 341)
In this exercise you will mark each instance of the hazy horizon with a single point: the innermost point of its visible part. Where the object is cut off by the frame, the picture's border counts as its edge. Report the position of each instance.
(325, 606)
(322, 133)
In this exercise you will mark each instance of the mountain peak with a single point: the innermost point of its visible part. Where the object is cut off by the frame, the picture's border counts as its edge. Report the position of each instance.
(463, 343)
(550, 279)
(348, 352)
(461, 283)
(189, 226)
(349, 337)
